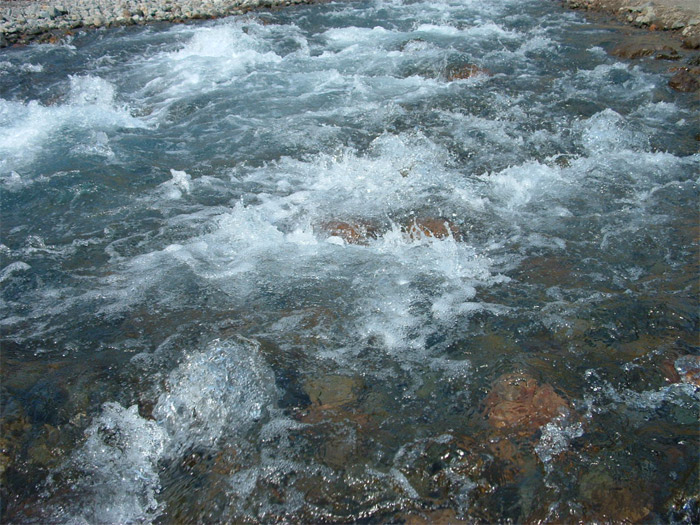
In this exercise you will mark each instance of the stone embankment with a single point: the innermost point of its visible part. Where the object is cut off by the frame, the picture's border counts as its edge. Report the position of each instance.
(678, 16)
(673, 34)
(23, 21)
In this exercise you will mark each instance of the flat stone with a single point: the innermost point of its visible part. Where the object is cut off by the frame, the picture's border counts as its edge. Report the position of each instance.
(684, 82)
(333, 390)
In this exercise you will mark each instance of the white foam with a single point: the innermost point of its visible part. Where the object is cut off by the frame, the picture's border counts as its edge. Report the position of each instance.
(180, 183)
(556, 438)
(212, 58)
(13, 268)
(27, 130)
(218, 392)
(215, 393)
(115, 471)
(606, 132)
(515, 188)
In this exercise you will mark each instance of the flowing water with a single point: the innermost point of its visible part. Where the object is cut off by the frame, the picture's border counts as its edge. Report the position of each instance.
(299, 266)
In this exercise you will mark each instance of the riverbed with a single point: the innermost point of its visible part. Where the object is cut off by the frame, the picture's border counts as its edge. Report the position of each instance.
(377, 262)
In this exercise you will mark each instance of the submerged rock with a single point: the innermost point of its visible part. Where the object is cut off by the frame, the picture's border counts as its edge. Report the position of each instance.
(518, 403)
(350, 232)
(466, 71)
(688, 369)
(432, 228)
(610, 500)
(333, 390)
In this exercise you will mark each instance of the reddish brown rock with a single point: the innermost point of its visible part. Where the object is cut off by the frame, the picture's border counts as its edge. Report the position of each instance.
(685, 81)
(688, 369)
(668, 370)
(432, 228)
(518, 403)
(350, 232)
(466, 71)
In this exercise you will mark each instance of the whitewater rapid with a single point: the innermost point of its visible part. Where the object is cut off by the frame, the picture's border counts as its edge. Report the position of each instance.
(221, 302)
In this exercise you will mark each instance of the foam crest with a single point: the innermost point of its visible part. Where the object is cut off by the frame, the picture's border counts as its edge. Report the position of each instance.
(116, 469)
(221, 391)
(607, 132)
(556, 438)
(181, 183)
(609, 80)
(530, 184)
(230, 42)
(423, 284)
(28, 130)
(90, 91)
(398, 172)
(13, 268)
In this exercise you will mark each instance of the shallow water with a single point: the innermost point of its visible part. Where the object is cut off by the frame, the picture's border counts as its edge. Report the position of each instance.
(220, 301)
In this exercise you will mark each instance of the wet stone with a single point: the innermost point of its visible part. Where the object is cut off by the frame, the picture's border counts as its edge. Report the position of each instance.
(611, 500)
(434, 517)
(432, 228)
(465, 72)
(350, 232)
(687, 368)
(692, 41)
(333, 390)
(684, 81)
(634, 50)
(518, 403)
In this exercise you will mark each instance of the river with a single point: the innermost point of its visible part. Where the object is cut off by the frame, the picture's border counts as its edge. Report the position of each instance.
(376, 262)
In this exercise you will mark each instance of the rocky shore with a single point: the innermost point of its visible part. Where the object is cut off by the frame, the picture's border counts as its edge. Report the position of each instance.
(679, 17)
(24, 21)
(669, 31)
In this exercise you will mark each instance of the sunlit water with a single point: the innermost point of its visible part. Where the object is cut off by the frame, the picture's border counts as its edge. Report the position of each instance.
(187, 337)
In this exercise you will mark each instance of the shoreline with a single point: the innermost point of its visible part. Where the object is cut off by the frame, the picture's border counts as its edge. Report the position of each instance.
(678, 18)
(671, 28)
(25, 21)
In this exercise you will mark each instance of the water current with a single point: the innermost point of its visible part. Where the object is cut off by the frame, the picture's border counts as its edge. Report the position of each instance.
(377, 262)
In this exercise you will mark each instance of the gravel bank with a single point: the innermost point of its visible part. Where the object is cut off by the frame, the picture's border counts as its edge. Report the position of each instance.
(24, 21)
(681, 17)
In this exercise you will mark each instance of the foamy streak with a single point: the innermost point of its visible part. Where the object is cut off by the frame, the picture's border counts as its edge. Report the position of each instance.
(219, 392)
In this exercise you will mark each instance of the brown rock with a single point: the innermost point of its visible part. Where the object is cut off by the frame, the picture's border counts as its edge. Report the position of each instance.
(632, 50)
(692, 41)
(684, 81)
(611, 501)
(668, 370)
(466, 71)
(518, 403)
(688, 369)
(333, 390)
(350, 232)
(432, 228)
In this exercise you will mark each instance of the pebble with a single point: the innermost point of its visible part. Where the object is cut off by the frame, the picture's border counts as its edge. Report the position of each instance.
(23, 21)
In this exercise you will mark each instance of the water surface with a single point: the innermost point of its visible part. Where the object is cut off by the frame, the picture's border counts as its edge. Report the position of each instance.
(219, 303)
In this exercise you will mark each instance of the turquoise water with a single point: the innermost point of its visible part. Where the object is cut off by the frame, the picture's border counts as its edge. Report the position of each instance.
(291, 267)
